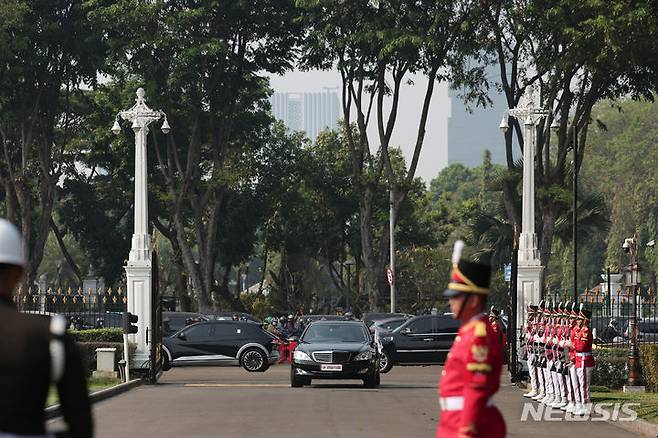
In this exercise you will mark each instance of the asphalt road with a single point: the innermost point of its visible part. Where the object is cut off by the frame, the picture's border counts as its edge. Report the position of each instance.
(230, 402)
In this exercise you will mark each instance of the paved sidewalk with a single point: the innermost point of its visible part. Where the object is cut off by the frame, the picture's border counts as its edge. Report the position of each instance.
(229, 402)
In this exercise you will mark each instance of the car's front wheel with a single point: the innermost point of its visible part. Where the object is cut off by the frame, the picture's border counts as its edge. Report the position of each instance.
(385, 363)
(166, 364)
(254, 360)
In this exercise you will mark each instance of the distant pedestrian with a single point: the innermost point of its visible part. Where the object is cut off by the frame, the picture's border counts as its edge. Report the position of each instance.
(471, 375)
(35, 353)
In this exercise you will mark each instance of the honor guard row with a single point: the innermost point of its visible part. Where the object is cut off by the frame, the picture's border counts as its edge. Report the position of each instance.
(557, 344)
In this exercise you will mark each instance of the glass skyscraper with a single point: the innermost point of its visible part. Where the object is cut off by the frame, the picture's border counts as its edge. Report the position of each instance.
(307, 112)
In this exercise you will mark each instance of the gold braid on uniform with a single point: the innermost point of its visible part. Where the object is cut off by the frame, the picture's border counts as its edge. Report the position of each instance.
(467, 431)
(479, 352)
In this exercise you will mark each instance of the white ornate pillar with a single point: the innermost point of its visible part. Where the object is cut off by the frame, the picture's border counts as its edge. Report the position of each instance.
(138, 268)
(530, 270)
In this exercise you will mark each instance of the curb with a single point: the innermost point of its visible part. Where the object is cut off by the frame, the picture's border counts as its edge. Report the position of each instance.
(55, 411)
(637, 426)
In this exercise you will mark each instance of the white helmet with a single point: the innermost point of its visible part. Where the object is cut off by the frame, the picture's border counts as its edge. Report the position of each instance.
(11, 244)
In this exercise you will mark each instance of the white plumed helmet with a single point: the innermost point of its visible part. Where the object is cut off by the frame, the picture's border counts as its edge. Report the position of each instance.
(11, 244)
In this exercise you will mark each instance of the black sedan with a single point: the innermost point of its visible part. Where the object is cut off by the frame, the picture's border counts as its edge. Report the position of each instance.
(335, 350)
(221, 342)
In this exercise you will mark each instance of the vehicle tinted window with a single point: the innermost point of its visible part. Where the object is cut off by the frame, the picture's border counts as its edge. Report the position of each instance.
(224, 331)
(335, 333)
(445, 325)
(201, 331)
(649, 327)
(391, 325)
(420, 325)
(251, 330)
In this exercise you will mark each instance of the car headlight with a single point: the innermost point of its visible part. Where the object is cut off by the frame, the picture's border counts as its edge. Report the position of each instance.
(300, 355)
(366, 355)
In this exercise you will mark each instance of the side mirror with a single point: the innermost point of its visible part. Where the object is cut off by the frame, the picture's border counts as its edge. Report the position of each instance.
(182, 336)
(406, 331)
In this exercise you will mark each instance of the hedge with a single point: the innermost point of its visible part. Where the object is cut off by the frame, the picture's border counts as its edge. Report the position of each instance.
(98, 335)
(611, 367)
(88, 353)
(649, 361)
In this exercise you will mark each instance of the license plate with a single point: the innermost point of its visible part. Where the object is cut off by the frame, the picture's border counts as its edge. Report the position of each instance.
(331, 367)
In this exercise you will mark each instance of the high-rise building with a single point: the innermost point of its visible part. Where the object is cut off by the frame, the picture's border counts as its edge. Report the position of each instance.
(470, 133)
(308, 112)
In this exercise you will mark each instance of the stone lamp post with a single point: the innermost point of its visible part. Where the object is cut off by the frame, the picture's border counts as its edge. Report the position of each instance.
(138, 268)
(529, 265)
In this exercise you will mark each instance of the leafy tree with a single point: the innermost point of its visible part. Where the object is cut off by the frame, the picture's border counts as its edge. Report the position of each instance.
(206, 60)
(47, 50)
(376, 46)
(578, 53)
(621, 165)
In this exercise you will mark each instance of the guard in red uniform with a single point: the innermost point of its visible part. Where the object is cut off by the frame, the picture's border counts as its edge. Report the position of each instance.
(584, 360)
(471, 375)
(574, 332)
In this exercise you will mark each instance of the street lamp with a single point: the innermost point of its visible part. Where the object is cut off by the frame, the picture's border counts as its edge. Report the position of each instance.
(574, 218)
(529, 269)
(138, 268)
(529, 263)
(630, 246)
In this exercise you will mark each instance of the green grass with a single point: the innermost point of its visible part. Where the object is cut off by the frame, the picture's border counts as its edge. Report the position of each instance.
(648, 409)
(93, 385)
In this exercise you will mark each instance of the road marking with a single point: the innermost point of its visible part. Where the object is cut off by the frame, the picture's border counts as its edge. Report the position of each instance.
(236, 385)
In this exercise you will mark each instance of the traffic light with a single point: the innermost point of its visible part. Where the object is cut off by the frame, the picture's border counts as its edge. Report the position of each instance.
(128, 320)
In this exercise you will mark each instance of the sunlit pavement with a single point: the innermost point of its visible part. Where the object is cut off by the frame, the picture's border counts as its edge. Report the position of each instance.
(230, 402)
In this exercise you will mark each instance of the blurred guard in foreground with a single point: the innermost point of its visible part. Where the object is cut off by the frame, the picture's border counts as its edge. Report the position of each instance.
(35, 353)
(471, 375)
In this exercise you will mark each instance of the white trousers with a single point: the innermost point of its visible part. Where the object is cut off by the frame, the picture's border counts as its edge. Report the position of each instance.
(584, 377)
(557, 387)
(548, 379)
(567, 385)
(532, 370)
(540, 380)
(575, 386)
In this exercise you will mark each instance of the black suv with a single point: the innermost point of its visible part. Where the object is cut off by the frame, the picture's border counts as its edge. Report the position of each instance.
(335, 350)
(221, 342)
(422, 340)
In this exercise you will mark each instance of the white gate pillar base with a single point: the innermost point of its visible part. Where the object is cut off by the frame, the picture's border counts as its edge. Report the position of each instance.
(138, 275)
(528, 290)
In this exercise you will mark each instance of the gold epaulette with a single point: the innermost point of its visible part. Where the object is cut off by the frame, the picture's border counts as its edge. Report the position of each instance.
(480, 329)
(478, 367)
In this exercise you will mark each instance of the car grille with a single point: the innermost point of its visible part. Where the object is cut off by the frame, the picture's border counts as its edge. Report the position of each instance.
(331, 356)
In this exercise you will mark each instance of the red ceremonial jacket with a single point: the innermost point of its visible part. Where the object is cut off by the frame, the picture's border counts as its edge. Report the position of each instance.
(548, 340)
(574, 332)
(472, 371)
(584, 348)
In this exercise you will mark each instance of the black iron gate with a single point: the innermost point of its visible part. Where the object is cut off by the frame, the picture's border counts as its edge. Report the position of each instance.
(155, 367)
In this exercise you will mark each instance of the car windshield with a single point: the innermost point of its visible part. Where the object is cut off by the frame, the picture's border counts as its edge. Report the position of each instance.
(334, 333)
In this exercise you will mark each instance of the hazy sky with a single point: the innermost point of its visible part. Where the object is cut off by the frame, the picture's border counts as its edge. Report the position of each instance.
(434, 153)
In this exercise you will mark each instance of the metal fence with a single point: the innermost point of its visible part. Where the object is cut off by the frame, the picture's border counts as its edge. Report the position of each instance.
(82, 309)
(612, 315)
